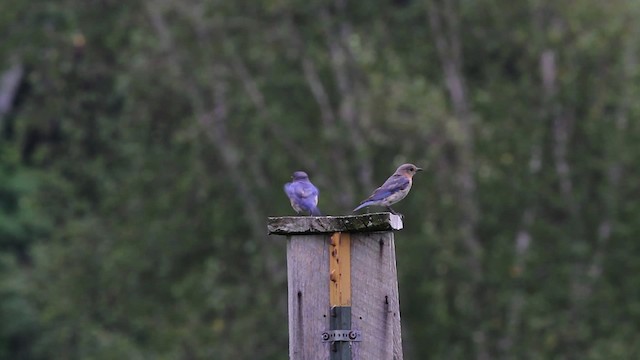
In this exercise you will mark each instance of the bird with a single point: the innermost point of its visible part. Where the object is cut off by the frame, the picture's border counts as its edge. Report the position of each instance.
(393, 190)
(302, 194)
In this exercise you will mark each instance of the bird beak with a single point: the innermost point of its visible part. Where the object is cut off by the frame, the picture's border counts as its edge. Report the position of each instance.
(419, 169)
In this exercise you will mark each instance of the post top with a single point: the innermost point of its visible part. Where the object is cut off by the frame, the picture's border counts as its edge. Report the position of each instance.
(295, 225)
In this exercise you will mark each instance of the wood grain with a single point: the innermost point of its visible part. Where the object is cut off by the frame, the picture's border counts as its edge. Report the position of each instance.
(375, 301)
(308, 288)
(340, 270)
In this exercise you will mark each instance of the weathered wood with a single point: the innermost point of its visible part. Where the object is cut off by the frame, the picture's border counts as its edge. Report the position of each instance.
(373, 298)
(308, 273)
(340, 270)
(291, 225)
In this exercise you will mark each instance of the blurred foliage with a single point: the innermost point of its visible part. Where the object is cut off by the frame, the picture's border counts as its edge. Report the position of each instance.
(149, 140)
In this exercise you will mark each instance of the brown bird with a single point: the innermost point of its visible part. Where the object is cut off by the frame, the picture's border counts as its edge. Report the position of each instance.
(393, 190)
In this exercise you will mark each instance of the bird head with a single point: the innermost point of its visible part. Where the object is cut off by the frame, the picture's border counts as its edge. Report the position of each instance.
(299, 175)
(408, 170)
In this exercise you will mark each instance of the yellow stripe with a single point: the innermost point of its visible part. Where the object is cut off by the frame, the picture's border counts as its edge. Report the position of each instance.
(340, 269)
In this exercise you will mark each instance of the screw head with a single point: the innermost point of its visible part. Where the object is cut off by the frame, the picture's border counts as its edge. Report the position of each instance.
(353, 335)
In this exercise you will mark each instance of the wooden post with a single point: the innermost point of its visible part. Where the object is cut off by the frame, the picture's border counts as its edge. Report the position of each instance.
(342, 276)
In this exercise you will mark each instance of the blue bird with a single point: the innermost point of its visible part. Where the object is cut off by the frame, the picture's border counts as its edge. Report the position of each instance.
(302, 194)
(393, 190)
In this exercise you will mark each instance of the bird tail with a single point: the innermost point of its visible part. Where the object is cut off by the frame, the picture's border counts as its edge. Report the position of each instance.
(316, 212)
(364, 204)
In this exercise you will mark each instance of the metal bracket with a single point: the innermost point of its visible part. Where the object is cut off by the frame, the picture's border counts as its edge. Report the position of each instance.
(341, 335)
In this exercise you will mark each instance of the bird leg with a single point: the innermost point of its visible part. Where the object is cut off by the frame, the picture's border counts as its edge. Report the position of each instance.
(394, 212)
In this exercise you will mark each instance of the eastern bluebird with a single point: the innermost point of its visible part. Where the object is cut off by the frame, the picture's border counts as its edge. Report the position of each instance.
(302, 194)
(393, 190)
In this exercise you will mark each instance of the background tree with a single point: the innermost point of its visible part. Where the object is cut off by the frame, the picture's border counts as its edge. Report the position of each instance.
(145, 142)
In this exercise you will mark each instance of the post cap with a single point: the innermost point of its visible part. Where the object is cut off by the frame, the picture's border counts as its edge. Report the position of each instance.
(296, 225)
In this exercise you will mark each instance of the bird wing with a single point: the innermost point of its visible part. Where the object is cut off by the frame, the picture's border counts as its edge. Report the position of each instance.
(301, 189)
(393, 184)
